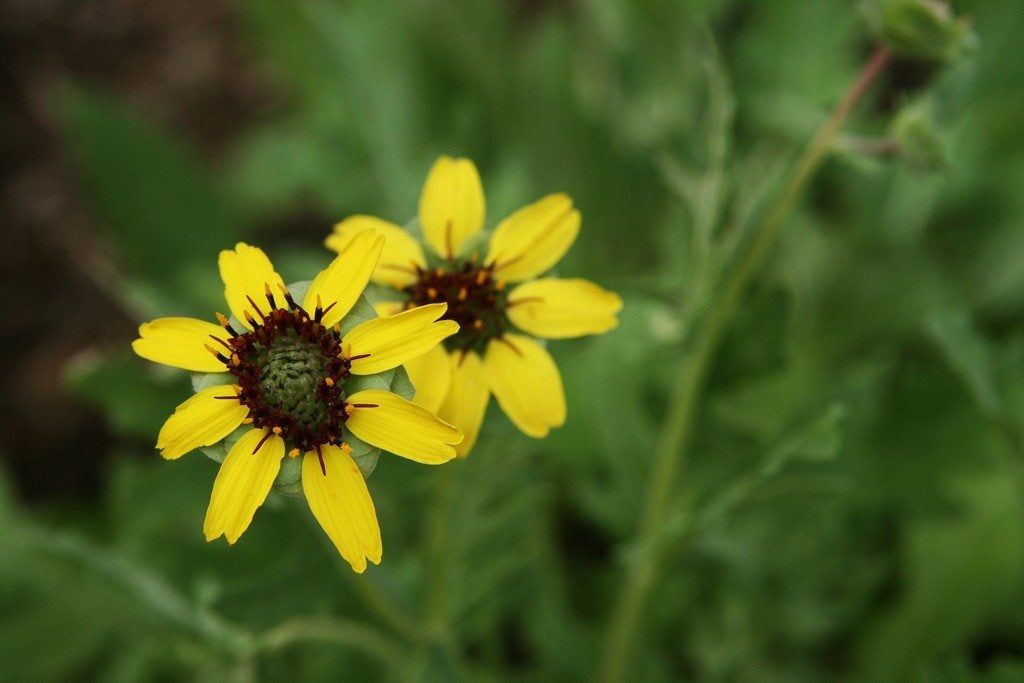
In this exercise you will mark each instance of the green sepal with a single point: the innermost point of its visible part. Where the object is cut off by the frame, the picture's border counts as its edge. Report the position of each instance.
(289, 479)
(916, 132)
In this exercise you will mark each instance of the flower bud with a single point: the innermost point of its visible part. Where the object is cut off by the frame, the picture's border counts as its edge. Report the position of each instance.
(921, 29)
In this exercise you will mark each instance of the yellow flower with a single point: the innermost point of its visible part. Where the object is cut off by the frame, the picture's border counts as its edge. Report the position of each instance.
(285, 373)
(488, 355)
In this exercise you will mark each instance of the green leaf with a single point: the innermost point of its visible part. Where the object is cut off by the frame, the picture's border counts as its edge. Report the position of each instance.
(959, 569)
(968, 353)
(135, 399)
(817, 440)
(160, 206)
(299, 52)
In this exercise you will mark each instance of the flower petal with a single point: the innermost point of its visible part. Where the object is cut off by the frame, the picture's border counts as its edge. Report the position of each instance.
(558, 309)
(402, 427)
(534, 238)
(431, 375)
(388, 342)
(242, 484)
(341, 503)
(386, 308)
(466, 402)
(340, 284)
(401, 256)
(179, 342)
(526, 383)
(202, 420)
(452, 205)
(246, 272)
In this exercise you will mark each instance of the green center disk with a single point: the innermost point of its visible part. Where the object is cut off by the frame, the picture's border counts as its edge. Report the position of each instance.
(292, 369)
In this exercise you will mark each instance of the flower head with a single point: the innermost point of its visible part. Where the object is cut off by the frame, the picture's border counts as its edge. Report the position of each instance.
(501, 301)
(287, 370)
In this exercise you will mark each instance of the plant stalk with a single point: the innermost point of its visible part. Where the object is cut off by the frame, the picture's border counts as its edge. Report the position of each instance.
(673, 447)
(436, 618)
(343, 632)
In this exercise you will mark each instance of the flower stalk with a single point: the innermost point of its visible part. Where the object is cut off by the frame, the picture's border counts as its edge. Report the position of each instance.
(345, 632)
(437, 540)
(673, 449)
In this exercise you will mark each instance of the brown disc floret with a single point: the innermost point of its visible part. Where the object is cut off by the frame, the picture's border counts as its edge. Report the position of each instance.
(476, 300)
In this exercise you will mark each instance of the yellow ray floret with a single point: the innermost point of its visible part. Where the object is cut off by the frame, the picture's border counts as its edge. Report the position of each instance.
(534, 238)
(385, 343)
(242, 483)
(388, 421)
(246, 272)
(452, 205)
(338, 497)
(338, 287)
(401, 255)
(526, 383)
(386, 308)
(179, 342)
(202, 420)
(431, 375)
(558, 309)
(467, 398)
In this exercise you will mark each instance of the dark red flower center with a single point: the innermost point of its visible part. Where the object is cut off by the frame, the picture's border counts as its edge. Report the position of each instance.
(476, 301)
(290, 373)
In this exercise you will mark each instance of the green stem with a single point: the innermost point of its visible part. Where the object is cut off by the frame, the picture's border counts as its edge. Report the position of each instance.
(673, 446)
(436, 555)
(383, 607)
(434, 625)
(343, 632)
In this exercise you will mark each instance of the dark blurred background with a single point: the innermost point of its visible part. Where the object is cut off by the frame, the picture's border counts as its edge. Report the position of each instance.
(181, 64)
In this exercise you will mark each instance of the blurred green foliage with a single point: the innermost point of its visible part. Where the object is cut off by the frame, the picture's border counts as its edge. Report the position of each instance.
(854, 505)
